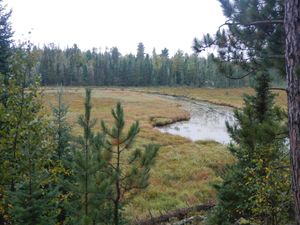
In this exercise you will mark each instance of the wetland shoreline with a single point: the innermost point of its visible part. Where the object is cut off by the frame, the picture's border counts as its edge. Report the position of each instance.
(206, 121)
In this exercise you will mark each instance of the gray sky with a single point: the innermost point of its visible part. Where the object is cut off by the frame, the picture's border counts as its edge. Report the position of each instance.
(122, 23)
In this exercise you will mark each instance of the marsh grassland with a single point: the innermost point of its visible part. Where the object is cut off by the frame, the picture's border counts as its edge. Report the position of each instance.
(232, 97)
(184, 170)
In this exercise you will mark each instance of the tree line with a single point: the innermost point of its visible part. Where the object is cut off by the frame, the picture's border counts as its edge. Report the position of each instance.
(72, 66)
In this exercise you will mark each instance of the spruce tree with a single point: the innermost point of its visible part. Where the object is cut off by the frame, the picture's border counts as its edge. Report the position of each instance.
(90, 184)
(5, 54)
(140, 60)
(5, 40)
(129, 168)
(256, 187)
(33, 200)
(61, 156)
(25, 147)
(62, 129)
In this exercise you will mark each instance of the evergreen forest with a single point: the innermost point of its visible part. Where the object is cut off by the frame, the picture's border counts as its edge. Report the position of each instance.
(73, 67)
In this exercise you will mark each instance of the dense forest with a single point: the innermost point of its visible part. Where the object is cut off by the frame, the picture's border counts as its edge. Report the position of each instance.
(72, 66)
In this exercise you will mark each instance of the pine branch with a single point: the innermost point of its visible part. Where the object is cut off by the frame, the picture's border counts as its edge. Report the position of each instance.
(278, 89)
(201, 47)
(240, 77)
(260, 22)
(276, 56)
(112, 166)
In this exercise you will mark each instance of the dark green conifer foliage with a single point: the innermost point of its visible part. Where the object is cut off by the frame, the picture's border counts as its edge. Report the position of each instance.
(5, 50)
(33, 200)
(61, 157)
(140, 61)
(25, 146)
(263, 101)
(62, 129)
(252, 37)
(90, 184)
(72, 66)
(257, 186)
(129, 167)
(5, 40)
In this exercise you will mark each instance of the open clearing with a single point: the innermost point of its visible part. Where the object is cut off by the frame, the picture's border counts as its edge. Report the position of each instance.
(184, 170)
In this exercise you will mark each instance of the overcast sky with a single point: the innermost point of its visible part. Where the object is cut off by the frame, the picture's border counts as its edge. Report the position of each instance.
(122, 23)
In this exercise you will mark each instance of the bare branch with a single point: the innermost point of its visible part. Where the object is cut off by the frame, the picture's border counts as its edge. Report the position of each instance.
(180, 213)
(241, 77)
(276, 56)
(278, 89)
(261, 22)
(228, 23)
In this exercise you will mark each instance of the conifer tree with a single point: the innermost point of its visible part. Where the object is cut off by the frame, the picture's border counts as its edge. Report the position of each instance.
(90, 184)
(5, 40)
(61, 127)
(61, 157)
(256, 187)
(140, 60)
(252, 36)
(129, 174)
(265, 34)
(32, 201)
(25, 147)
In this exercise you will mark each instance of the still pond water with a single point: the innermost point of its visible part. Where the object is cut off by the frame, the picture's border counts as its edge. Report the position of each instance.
(207, 121)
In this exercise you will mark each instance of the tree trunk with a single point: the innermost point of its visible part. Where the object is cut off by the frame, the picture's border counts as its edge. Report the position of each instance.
(116, 213)
(292, 55)
(118, 186)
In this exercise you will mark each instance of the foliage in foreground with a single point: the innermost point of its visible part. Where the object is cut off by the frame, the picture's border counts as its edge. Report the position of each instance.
(90, 183)
(128, 168)
(257, 186)
(49, 178)
(103, 179)
(26, 147)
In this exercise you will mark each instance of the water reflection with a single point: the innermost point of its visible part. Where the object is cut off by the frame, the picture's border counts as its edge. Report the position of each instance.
(207, 121)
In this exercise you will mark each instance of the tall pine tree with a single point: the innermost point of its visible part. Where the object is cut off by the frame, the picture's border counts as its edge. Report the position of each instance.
(264, 34)
(256, 187)
(129, 171)
(90, 184)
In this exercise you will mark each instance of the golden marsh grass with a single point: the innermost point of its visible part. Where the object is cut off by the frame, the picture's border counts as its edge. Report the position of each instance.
(221, 96)
(184, 170)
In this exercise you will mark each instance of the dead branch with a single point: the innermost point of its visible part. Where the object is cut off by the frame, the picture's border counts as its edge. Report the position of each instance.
(179, 214)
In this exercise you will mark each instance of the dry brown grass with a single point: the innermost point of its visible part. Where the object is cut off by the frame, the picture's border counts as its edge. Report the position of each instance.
(184, 170)
(221, 96)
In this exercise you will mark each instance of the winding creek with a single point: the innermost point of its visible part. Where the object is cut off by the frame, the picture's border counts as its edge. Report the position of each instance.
(207, 121)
